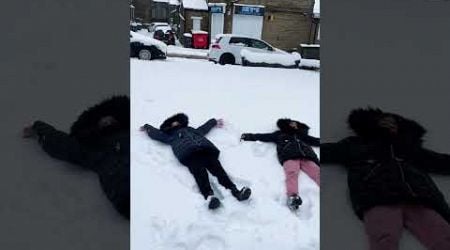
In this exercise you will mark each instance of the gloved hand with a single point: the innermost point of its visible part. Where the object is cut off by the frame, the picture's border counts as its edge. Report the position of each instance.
(220, 123)
(245, 136)
(28, 131)
(144, 127)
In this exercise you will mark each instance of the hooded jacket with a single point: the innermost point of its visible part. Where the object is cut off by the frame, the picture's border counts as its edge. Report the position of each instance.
(183, 139)
(291, 143)
(386, 169)
(105, 150)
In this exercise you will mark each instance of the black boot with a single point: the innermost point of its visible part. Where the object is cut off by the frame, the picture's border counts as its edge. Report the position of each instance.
(242, 194)
(213, 202)
(294, 201)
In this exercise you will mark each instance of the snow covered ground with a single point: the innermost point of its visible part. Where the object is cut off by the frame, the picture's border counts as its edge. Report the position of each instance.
(168, 213)
(178, 51)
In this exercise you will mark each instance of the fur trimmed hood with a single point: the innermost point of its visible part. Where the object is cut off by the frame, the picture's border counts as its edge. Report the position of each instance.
(181, 118)
(86, 128)
(283, 125)
(364, 122)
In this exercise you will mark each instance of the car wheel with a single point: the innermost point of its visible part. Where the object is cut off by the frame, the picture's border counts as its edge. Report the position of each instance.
(145, 54)
(227, 59)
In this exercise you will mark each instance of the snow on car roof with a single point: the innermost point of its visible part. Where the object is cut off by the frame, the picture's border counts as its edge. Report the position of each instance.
(146, 40)
(195, 4)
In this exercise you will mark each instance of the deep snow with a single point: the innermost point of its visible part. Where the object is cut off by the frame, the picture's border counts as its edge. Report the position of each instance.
(167, 210)
(278, 57)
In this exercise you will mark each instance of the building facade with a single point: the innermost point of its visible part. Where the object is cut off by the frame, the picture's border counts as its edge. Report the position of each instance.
(283, 23)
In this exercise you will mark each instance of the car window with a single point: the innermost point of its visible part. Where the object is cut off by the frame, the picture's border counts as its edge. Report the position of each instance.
(259, 44)
(240, 41)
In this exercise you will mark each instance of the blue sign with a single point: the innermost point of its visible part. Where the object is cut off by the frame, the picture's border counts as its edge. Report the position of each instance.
(216, 9)
(249, 10)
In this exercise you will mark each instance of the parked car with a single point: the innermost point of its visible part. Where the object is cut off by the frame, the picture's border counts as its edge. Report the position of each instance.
(164, 34)
(152, 27)
(146, 48)
(226, 48)
(135, 26)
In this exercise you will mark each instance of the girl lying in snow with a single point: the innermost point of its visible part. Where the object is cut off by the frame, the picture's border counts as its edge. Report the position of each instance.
(388, 179)
(99, 140)
(193, 150)
(294, 153)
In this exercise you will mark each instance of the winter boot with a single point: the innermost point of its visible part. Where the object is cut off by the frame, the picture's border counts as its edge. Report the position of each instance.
(213, 202)
(294, 201)
(242, 194)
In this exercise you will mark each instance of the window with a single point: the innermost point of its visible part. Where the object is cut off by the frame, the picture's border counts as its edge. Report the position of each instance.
(259, 44)
(240, 41)
(159, 12)
(196, 23)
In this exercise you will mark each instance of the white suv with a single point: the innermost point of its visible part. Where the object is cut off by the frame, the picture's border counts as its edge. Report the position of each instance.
(227, 48)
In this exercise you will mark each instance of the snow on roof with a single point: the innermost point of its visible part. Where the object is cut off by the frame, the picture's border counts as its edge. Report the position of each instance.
(195, 4)
(316, 9)
(174, 2)
(161, 1)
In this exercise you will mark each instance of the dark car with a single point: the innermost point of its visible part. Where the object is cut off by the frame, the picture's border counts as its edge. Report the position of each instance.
(165, 35)
(146, 48)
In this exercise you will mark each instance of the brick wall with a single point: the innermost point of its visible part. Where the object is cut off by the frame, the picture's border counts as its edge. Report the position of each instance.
(142, 10)
(189, 23)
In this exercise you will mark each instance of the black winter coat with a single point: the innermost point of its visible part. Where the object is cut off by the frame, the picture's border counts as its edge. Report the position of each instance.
(291, 144)
(386, 170)
(105, 152)
(183, 139)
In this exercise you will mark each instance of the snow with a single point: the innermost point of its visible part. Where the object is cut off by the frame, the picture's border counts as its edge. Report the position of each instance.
(161, 1)
(195, 4)
(167, 210)
(199, 32)
(310, 63)
(252, 5)
(310, 45)
(174, 2)
(176, 51)
(278, 57)
(316, 9)
(163, 28)
(146, 40)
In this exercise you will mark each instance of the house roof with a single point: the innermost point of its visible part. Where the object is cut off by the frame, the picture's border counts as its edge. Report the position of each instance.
(195, 4)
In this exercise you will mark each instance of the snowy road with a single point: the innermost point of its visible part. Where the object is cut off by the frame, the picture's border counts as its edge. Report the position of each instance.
(168, 213)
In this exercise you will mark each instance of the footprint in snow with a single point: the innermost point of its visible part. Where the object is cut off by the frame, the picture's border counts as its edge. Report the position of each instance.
(209, 242)
(260, 149)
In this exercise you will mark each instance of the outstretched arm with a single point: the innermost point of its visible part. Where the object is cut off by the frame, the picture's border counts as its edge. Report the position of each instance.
(434, 162)
(155, 133)
(58, 144)
(335, 152)
(270, 137)
(205, 128)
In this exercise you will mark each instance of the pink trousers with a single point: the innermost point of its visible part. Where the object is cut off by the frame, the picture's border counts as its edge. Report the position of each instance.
(292, 169)
(384, 225)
